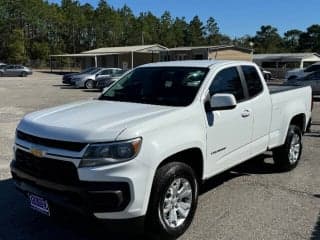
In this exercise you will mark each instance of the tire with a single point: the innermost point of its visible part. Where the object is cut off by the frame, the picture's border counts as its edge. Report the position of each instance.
(89, 84)
(287, 156)
(169, 179)
(23, 74)
(1, 74)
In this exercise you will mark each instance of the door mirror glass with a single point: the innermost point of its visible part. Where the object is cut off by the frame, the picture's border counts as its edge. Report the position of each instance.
(222, 101)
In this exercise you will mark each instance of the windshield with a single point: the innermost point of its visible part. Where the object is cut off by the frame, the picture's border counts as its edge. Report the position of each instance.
(170, 86)
(87, 70)
(95, 70)
(119, 73)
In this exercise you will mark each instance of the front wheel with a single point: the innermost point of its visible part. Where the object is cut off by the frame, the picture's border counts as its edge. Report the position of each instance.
(89, 84)
(287, 156)
(23, 74)
(173, 200)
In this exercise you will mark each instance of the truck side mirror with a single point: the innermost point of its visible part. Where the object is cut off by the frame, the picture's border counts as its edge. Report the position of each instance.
(222, 101)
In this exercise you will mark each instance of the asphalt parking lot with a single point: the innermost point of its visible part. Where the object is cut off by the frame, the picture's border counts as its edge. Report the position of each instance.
(252, 201)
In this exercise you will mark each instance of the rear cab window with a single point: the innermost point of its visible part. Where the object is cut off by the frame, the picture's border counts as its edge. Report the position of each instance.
(228, 81)
(253, 80)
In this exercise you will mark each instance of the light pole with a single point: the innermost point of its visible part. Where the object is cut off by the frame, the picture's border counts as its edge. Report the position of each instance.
(251, 44)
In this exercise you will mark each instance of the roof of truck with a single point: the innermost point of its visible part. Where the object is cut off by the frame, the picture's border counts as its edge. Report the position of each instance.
(192, 63)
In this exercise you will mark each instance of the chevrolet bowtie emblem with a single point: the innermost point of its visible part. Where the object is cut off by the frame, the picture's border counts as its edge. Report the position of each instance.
(37, 152)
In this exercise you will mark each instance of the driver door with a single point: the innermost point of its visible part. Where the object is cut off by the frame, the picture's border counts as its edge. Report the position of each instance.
(229, 132)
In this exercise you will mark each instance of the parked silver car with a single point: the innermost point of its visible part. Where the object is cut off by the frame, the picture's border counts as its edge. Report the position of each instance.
(15, 71)
(105, 81)
(312, 79)
(88, 80)
(66, 79)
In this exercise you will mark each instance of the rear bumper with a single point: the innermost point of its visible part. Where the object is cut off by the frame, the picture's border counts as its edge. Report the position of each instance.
(87, 198)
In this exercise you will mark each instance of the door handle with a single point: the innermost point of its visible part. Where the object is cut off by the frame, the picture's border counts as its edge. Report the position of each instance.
(245, 113)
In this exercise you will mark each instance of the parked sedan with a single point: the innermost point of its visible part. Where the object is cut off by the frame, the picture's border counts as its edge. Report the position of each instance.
(88, 80)
(15, 71)
(312, 79)
(66, 79)
(105, 81)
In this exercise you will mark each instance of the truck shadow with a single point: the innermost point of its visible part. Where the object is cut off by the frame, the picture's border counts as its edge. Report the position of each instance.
(316, 230)
(17, 221)
(262, 164)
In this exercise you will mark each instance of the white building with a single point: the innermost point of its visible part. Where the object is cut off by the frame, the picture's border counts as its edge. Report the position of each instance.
(279, 63)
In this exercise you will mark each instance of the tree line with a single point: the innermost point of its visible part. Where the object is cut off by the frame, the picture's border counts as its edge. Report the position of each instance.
(34, 29)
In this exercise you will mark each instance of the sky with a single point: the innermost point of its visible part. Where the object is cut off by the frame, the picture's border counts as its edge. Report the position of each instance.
(235, 17)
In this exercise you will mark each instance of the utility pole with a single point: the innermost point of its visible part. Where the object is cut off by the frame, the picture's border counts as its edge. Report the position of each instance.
(142, 38)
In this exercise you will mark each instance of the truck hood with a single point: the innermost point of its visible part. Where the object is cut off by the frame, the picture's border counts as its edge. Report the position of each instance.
(89, 121)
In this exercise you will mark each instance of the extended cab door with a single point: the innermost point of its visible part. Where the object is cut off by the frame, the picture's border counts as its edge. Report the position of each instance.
(228, 131)
(261, 107)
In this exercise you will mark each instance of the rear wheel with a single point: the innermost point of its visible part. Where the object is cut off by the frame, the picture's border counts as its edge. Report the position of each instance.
(89, 84)
(287, 156)
(173, 200)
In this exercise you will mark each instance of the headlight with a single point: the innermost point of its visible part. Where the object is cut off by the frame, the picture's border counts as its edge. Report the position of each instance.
(110, 153)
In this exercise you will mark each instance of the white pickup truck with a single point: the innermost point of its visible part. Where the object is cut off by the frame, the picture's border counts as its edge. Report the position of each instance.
(141, 150)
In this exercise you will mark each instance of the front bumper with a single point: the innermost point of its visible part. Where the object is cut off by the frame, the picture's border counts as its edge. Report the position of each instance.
(84, 197)
(114, 192)
(66, 80)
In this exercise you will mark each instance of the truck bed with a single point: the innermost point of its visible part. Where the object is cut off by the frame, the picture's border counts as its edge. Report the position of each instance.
(275, 88)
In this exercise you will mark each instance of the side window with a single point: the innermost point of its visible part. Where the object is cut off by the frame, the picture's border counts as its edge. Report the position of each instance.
(313, 68)
(313, 76)
(227, 81)
(106, 72)
(253, 80)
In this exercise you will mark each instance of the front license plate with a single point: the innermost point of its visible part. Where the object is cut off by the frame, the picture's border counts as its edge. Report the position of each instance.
(39, 204)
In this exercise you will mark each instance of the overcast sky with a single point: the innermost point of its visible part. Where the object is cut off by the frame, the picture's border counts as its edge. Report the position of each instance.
(235, 17)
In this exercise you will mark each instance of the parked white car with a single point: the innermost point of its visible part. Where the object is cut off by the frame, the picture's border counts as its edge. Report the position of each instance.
(302, 72)
(142, 150)
(266, 74)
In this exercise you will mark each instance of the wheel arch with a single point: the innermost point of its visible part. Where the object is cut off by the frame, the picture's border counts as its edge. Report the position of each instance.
(190, 156)
(299, 120)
